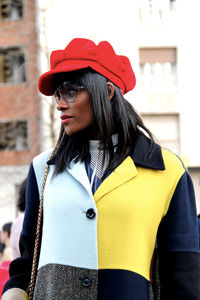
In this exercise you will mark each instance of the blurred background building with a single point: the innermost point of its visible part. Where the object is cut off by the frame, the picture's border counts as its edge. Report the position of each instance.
(19, 100)
(159, 37)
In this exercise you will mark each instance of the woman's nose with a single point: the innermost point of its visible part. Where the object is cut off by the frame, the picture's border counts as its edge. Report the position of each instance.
(62, 104)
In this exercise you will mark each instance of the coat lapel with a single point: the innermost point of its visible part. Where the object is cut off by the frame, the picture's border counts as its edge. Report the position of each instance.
(78, 171)
(123, 173)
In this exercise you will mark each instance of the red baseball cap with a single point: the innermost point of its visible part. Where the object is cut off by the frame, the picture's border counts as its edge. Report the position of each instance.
(82, 53)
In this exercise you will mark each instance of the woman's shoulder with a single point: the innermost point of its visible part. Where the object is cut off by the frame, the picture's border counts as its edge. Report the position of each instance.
(39, 164)
(43, 157)
(173, 161)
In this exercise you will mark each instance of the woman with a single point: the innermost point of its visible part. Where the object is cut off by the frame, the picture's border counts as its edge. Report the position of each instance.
(17, 223)
(111, 194)
(5, 239)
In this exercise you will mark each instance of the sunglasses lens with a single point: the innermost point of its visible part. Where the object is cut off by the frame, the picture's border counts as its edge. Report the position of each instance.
(67, 93)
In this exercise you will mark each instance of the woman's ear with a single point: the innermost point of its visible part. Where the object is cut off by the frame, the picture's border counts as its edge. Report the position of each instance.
(111, 89)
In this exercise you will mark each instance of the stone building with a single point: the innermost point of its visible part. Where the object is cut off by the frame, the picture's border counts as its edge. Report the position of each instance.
(168, 89)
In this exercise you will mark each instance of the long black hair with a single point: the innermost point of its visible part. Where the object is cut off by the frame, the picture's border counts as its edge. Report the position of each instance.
(7, 228)
(21, 202)
(110, 116)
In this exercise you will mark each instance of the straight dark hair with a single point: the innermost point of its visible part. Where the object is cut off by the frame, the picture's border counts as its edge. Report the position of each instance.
(110, 116)
(7, 228)
(21, 202)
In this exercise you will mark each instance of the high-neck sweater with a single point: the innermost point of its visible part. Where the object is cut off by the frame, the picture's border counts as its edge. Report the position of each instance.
(98, 162)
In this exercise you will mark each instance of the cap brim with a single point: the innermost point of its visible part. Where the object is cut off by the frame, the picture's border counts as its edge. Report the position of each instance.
(45, 80)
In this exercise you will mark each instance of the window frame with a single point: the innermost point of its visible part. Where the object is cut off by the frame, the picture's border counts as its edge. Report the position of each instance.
(14, 19)
(12, 123)
(162, 56)
(22, 51)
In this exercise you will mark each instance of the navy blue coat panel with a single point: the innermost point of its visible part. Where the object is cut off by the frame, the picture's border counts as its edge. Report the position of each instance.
(199, 228)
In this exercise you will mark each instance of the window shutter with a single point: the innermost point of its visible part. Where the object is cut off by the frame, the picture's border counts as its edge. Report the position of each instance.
(1, 67)
(5, 9)
(8, 66)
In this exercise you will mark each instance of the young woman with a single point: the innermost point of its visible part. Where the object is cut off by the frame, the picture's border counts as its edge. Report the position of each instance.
(112, 195)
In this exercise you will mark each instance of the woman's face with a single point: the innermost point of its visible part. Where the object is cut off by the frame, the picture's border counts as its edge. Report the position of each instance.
(74, 104)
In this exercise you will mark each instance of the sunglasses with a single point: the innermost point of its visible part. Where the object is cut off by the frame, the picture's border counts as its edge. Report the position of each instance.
(68, 92)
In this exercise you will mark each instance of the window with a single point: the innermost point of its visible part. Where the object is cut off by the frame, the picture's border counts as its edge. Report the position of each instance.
(11, 9)
(157, 13)
(165, 128)
(158, 68)
(172, 2)
(12, 65)
(160, 3)
(13, 135)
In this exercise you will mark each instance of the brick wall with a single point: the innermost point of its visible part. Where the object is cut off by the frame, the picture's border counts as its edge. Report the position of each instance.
(21, 101)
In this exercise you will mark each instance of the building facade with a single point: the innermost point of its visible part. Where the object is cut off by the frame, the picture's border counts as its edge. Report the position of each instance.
(168, 73)
(19, 101)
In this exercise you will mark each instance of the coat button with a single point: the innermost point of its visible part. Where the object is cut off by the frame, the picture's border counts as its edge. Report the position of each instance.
(86, 282)
(90, 213)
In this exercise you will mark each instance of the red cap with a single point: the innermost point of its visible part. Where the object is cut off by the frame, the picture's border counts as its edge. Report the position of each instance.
(82, 53)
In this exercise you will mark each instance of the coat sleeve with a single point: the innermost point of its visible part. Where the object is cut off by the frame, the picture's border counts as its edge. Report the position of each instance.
(178, 246)
(20, 268)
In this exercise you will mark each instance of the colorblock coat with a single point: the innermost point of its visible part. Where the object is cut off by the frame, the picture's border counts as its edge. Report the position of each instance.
(102, 246)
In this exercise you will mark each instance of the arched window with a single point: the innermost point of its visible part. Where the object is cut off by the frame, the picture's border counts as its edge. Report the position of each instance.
(158, 68)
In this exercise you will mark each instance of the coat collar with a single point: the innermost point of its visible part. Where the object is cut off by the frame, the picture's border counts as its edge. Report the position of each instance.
(140, 154)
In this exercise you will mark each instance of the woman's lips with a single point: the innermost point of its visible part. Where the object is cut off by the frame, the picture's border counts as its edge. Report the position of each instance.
(65, 119)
